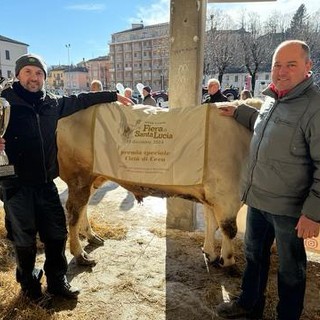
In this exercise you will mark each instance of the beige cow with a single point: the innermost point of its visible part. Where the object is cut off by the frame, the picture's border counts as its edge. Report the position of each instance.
(227, 150)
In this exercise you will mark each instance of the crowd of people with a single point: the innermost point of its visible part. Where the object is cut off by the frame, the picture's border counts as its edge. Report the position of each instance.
(147, 98)
(280, 188)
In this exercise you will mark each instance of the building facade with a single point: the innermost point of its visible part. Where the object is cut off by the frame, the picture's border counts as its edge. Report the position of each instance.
(76, 80)
(98, 69)
(140, 55)
(55, 79)
(10, 51)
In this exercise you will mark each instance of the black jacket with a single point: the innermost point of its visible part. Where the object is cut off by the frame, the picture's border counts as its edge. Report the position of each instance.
(31, 134)
(217, 97)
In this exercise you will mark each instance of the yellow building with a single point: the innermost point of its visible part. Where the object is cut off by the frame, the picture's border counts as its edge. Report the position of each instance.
(55, 79)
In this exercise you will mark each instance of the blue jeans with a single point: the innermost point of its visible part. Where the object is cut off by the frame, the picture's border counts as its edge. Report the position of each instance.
(261, 230)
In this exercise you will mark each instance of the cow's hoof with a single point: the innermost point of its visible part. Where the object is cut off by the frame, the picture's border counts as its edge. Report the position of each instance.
(208, 259)
(85, 260)
(96, 240)
(217, 262)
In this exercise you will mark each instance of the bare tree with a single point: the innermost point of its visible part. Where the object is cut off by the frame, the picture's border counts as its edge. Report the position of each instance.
(314, 44)
(220, 44)
(250, 44)
(277, 23)
(255, 45)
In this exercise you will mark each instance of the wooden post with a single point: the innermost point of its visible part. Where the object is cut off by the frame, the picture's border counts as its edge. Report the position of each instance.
(187, 29)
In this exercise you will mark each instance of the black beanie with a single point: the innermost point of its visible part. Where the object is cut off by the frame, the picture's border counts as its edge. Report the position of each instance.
(147, 88)
(30, 59)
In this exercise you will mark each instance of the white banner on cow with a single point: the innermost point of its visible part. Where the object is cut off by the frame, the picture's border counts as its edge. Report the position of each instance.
(154, 146)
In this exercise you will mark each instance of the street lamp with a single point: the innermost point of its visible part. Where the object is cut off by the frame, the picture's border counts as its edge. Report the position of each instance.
(68, 83)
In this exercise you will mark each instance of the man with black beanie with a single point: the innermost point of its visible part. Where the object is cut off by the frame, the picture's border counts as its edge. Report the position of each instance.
(147, 98)
(31, 199)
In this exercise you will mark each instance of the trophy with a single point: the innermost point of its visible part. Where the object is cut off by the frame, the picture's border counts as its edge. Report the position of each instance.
(6, 169)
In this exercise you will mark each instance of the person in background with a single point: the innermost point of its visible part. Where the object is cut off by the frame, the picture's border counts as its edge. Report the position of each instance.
(128, 94)
(147, 98)
(282, 187)
(245, 94)
(96, 86)
(31, 199)
(214, 92)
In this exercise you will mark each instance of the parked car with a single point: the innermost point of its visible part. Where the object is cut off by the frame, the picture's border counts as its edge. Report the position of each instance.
(160, 97)
(230, 93)
(137, 96)
(204, 94)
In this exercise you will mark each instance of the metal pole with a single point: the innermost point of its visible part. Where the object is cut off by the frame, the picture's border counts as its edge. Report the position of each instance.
(68, 82)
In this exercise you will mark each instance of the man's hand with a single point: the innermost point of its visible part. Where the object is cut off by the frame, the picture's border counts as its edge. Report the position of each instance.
(124, 100)
(227, 110)
(307, 228)
(2, 144)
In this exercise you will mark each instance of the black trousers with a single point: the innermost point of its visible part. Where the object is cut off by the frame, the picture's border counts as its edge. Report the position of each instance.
(33, 209)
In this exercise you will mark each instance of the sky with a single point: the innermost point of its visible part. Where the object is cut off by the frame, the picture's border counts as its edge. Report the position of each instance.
(72, 30)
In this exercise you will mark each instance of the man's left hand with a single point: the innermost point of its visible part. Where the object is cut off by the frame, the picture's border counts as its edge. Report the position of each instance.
(307, 228)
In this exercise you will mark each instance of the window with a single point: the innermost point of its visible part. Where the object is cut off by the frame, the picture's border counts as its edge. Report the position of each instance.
(7, 55)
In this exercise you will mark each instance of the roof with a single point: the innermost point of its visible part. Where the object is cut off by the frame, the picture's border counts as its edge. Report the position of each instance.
(2, 38)
(142, 26)
(58, 68)
(76, 69)
(101, 58)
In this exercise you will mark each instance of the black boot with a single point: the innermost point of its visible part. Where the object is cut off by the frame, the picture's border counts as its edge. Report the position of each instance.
(56, 268)
(233, 310)
(29, 277)
(26, 274)
(61, 287)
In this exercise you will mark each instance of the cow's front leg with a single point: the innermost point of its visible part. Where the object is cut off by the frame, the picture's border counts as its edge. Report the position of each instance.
(226, 215)
(76, 207)
(223, 217)
(229, 231)
(82, 257)
(211, 227)
(86, 230)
